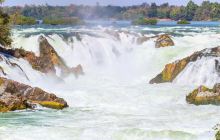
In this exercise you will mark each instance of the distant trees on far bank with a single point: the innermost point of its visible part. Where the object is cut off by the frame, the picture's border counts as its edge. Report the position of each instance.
(206, 11)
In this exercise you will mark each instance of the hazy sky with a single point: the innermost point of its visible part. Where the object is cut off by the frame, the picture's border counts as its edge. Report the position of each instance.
(102, 2)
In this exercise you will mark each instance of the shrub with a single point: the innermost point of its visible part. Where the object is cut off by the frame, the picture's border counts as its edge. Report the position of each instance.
(183, 22)
(18, 19)
(144, 21)
(63, 21)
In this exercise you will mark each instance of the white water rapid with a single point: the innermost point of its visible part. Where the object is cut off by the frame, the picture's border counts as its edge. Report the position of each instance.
(113, 100)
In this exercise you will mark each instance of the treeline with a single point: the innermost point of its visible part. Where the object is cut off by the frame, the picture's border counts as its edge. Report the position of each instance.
(206, 11)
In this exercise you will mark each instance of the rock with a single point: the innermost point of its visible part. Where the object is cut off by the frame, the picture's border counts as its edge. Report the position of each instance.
(10, 65)
(204, 96)
(46, 62)
(141, 40)
(216, 88)
(115, 34)
(164, 41)
(172, 70)
(10, 102)
(78, 70)
(17, 96)
(217, 66)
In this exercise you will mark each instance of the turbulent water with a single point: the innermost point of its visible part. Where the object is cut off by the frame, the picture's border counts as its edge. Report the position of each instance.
(113, 100)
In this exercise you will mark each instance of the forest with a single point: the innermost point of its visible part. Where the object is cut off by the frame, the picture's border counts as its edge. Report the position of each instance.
(206, 11)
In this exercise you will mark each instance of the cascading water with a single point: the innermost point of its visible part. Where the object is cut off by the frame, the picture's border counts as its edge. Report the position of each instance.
(113, 100)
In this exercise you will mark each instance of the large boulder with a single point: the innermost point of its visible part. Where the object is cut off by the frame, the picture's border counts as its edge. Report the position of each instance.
(164, 41)
(46, 62)
(204, 96)
(9, 102)
(172, 70)
(18, 96)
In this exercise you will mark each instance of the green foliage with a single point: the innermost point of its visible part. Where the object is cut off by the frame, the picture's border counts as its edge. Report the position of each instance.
(5, 39)
(18, 19)
(152, 10)
(144, 21)
(206, 11)
(183, 22)
(217, 135)
(63, 21)
(190, 10)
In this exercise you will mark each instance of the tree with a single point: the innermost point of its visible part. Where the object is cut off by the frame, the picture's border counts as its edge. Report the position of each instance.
(190, 10)
(204, 11)
(163, 11)
(5, 33)
(153, 10)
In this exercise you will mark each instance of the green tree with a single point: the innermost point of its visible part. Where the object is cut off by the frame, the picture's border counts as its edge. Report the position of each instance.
(153, 10)
(190, 10)
(204, 11)
(163, 11)
(5, 39)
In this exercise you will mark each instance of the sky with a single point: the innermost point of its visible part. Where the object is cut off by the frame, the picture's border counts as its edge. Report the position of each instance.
(101, 2)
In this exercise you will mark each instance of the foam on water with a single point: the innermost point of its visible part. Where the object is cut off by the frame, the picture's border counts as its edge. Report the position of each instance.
(113, 100)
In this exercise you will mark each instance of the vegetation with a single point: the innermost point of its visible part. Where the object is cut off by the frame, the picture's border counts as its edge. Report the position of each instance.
(206, 11)
(18, 19)
(5, 39)
(183, 22)
(217, 135)
(63, 21)
(144, 21)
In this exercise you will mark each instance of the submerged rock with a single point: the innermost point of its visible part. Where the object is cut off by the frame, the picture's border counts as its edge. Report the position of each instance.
(18, 96)
(164, 41)
(204, 96)
(172, 70)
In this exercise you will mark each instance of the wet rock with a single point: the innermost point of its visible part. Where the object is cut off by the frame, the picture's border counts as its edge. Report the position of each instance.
(164, 41)
(17, 96)
(141, 40)
(46, 62)
(204, 96)
(10, 64)
(216, 88)
(217, 66)
(10, 102)
(78, 70)
(172, 70)
(115, 34)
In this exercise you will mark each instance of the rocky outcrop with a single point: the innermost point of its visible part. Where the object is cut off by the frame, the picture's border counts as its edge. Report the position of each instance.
(18, 96)
(172, 70)
(46, 62)
(204, 96)
(164, 41)
(142, 39)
